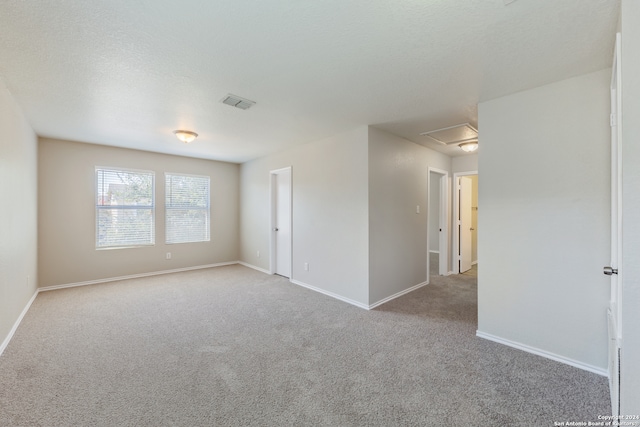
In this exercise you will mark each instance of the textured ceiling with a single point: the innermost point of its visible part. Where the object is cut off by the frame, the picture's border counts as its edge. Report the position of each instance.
(128, 73)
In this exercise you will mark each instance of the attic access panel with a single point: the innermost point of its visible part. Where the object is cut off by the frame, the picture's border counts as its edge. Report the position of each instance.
(453, 134)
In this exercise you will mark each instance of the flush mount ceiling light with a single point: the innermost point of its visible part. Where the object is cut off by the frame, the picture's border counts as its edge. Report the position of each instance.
(469, 146)
(185, 136)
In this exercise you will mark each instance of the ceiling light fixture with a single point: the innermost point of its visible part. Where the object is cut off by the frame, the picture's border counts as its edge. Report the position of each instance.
(185, 136)
(469, 146)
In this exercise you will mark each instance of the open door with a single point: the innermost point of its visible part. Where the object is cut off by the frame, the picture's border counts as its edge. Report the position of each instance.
(613, 313)
(465, 225)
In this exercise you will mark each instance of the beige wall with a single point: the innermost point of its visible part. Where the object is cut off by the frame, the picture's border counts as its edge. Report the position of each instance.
(330, 213)
(66, 206)
(466, 163)
(18, 213)
(398, 179)
(354, 213)
(544, 220)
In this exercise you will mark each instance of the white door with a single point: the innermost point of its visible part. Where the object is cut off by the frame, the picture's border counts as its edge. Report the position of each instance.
(443, 221)
(465, 223)
(613, 313)
(281, 224)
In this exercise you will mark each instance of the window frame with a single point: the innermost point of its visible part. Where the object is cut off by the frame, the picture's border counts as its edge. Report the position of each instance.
(99, 207)
(168, 208)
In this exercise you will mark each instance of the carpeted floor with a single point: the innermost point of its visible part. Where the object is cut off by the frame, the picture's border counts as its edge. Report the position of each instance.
(231, 346)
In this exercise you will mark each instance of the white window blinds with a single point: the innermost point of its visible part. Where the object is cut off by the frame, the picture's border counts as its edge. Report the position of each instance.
(187, 208)
(124, 208)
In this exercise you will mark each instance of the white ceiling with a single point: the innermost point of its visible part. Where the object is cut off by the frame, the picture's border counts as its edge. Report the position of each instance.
(128, 73)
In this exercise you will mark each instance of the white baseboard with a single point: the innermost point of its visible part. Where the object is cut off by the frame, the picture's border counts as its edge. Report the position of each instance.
(356, 303)
(13, 330)
(133, 276)
(331, 294)
(399, 294)
(435, 252)
(246, 264)
(543, 353)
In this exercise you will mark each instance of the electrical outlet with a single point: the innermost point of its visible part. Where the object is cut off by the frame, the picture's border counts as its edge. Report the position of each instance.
(258, 254)
(168, 255)
(306, 266)
(417, 209)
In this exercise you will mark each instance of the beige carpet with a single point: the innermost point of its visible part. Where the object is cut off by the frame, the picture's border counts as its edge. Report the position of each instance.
(234, 347)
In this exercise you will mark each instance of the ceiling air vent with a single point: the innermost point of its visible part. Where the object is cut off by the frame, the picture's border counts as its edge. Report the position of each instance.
(453, 134)
(236, 101)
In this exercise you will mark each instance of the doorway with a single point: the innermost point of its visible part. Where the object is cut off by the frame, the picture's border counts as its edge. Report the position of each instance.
(437, 220)
(281, 222)
(465, 239)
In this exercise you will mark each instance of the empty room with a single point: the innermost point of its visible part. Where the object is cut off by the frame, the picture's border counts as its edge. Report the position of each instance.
(355, 213)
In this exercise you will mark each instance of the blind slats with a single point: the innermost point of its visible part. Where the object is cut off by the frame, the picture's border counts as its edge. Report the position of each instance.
(124, 208)
(187, 208)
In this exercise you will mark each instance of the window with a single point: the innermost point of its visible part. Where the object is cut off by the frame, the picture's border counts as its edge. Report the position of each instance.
(187, 208)
(124, 208)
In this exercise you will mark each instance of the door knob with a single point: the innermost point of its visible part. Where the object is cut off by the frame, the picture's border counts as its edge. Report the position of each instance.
(610, 271)
(471, 229)
(275, 229)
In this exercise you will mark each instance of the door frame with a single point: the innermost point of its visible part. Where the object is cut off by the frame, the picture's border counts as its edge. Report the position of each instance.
(455, 265)
(273, 190)
(443, 223)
